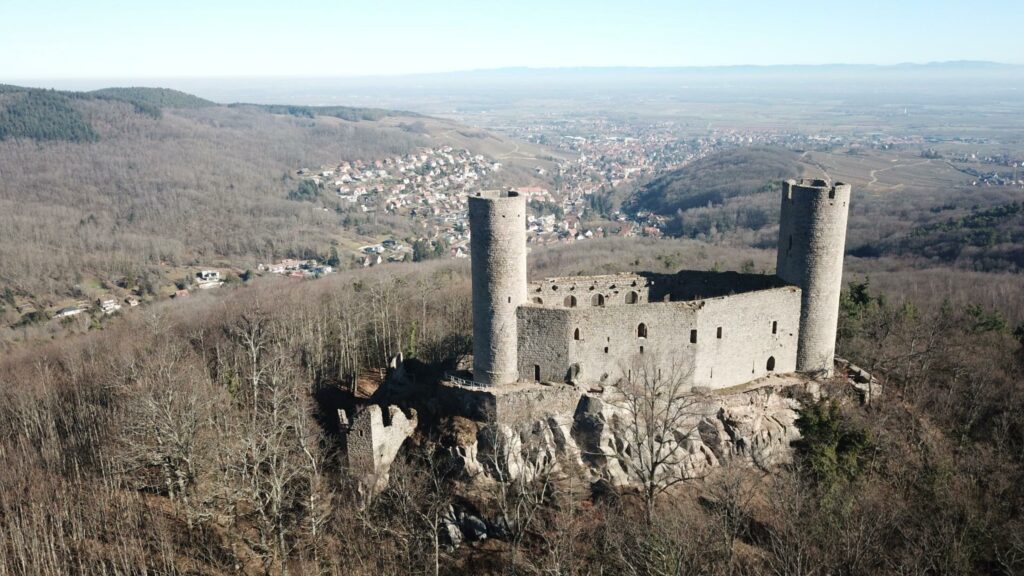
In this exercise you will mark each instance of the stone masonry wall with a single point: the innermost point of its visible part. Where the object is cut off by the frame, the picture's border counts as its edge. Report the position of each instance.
(371, 445)
(497, 223)
(812, 240)
(610, 289)
(738, 336)
(544, 340)
(601, 344)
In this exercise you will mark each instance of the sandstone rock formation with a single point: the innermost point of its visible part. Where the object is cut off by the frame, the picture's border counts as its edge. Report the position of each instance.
(753, 427)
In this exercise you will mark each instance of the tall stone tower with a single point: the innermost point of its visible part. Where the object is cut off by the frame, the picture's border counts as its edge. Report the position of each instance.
(497, 225)
(812, 240)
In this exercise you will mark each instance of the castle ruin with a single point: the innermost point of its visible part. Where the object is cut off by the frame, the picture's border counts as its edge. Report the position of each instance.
(553, 359)
(717, 330)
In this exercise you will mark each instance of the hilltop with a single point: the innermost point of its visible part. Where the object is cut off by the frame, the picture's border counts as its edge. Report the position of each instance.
(716, 178)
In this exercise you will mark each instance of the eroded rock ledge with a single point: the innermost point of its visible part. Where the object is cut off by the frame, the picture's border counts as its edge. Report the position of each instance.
(526, 429)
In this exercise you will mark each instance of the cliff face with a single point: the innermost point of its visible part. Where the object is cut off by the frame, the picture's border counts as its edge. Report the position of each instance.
(607, 439)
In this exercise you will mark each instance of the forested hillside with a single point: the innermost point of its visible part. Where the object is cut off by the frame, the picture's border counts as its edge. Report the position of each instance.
(342, 112)
(158, 98)
(41, 115)
(199, 437)
(732, 197)
(131, 185)
(715, 179)
(983, 239)
(194, 184)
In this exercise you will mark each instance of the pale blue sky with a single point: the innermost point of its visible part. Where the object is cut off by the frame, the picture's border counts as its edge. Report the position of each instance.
(141, 38)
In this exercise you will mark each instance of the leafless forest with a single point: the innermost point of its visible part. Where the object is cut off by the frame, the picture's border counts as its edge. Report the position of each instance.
(197, 437)
(192, 185)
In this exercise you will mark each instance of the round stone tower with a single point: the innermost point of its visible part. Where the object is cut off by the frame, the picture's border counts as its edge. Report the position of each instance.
(497, 245)
(812, 240)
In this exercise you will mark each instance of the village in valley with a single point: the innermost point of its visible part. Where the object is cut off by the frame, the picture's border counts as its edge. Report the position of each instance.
(569, 203)
(430, 188)
(572, 195)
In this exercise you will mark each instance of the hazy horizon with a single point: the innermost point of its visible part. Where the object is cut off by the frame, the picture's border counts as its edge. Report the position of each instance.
(53, 39)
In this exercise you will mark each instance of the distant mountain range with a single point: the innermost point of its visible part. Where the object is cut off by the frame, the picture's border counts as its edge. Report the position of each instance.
(432, 92)
(945, 65)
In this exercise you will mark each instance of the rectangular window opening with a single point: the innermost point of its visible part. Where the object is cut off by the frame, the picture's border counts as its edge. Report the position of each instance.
(718, 333)
(693, 336)
(775, 326)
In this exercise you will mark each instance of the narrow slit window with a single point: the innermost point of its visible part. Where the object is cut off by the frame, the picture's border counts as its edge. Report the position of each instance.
(576, 334)
(718, 333)
(775, 326)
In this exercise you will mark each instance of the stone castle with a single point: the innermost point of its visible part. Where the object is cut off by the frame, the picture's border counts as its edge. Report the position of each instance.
(716, 330)
(552, 358)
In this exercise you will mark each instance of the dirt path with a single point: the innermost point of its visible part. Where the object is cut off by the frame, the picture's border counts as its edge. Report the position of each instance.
(874, 173)
(824, 172)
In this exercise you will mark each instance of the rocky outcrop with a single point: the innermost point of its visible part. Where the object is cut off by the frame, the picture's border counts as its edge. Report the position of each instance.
(754, 427)
(524, 430)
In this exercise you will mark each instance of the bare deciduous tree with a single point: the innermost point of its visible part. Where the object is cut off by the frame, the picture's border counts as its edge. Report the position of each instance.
(658, 415)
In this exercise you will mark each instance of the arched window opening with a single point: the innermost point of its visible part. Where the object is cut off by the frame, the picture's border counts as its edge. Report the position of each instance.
(570, 301)
(597, 300)
(576, 334)
(771, 363)
(641, 330)
(632, 297)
